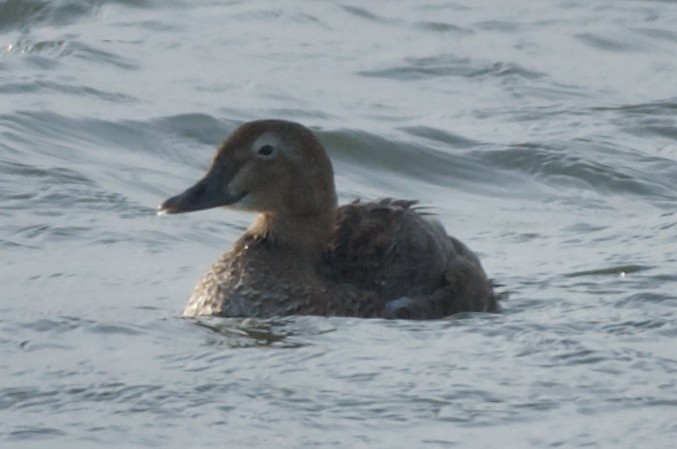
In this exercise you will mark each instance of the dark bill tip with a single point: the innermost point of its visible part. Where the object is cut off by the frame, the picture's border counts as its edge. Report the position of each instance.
(201, 196)
(192, 199)
(168, 208)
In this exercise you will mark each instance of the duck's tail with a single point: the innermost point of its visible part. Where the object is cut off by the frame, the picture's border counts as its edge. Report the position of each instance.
(466, 289)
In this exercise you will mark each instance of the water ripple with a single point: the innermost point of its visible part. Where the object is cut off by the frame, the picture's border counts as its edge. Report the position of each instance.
(415, 69)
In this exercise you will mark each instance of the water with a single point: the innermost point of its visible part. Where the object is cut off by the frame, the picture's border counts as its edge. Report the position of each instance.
(543, 135)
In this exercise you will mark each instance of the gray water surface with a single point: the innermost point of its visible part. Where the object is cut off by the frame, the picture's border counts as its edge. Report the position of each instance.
(544, 135)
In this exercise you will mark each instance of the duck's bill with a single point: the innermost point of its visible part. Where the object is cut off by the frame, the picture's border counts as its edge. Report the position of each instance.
(203, 195)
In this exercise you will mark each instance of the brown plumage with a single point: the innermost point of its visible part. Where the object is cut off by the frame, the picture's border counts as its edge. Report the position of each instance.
(306, 256)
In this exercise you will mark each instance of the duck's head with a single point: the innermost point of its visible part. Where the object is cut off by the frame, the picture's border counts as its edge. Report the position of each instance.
(273, 167)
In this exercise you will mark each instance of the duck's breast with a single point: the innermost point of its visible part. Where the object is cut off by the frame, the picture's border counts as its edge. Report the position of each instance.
(256, 278)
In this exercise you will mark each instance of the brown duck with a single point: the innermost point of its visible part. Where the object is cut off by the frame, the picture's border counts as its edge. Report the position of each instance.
(305, 255)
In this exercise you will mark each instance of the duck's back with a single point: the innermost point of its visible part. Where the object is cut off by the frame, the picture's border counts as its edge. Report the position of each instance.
(408, 260)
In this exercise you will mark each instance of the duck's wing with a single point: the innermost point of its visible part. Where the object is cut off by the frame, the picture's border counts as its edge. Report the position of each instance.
(388, 247)
(393, 249)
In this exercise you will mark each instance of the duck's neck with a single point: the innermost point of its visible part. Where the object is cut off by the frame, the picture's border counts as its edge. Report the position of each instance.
(307, 235)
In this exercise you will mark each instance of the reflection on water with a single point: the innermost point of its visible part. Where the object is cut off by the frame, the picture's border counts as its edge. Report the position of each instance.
(251, 332)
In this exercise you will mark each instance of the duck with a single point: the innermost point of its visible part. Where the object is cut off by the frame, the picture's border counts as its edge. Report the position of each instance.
(306, 255)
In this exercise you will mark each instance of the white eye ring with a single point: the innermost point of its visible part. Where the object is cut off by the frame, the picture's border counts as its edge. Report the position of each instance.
(266, 151)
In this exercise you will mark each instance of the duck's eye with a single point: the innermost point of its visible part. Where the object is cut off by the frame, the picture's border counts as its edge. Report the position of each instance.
(266, 150)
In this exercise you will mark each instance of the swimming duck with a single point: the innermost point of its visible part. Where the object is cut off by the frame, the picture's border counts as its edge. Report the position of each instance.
(305, 255)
